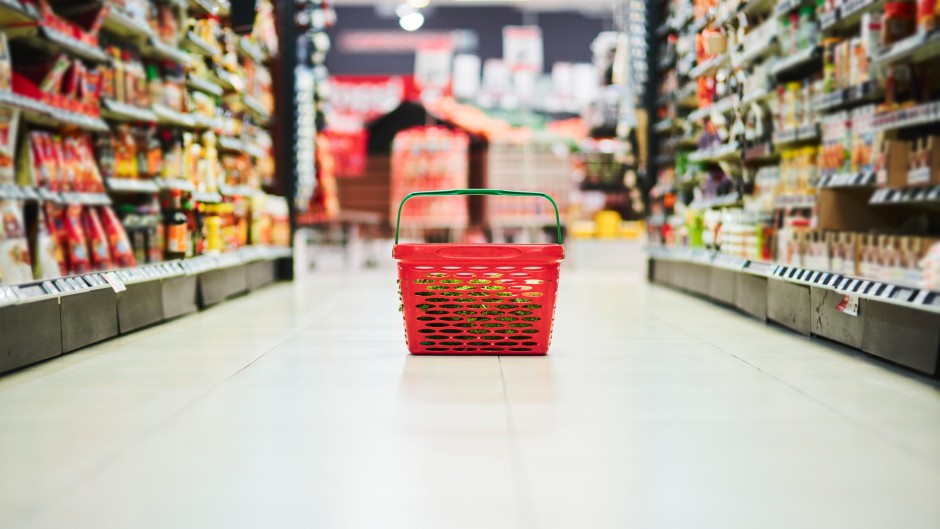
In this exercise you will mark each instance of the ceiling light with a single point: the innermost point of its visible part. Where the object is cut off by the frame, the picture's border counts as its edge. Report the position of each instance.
(404, 10)
(419, 4)
(411, 21)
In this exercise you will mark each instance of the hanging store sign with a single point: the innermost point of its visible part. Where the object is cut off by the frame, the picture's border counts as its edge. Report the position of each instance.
(386, 42)
(522, 47)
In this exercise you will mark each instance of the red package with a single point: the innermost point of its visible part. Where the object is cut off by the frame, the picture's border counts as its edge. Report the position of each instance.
(75, 243)
(121, 251)
(97, 241)
(41, 175)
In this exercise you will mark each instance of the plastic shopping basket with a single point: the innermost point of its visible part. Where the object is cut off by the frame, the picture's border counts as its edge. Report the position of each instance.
(478, 299)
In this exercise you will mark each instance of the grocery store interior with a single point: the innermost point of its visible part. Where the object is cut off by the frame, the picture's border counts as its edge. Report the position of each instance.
(525, 264)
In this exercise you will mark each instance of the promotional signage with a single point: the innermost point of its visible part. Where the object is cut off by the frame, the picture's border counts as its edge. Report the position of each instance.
(522, 47)
(400, 42)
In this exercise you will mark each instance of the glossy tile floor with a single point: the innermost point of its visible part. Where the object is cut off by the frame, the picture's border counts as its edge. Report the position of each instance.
(298, 407)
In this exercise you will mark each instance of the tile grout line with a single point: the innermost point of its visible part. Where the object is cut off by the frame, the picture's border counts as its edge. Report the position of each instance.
(903, 448)
(525, 504)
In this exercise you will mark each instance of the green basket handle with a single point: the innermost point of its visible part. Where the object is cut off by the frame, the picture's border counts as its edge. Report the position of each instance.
(493, 192)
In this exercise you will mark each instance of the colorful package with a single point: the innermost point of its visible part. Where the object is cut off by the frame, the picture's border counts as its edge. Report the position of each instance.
(97, 241)
(75, 242)
(15, 262)
(121, 252)
(9, 123)
(50, 261)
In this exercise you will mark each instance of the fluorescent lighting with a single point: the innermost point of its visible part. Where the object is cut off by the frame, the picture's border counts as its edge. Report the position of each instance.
(419, 4)
(411, 21)
(404, 10)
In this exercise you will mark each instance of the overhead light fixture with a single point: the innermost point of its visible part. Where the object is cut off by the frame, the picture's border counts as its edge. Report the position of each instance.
(411, 21)
(403, 10)
(419, 4)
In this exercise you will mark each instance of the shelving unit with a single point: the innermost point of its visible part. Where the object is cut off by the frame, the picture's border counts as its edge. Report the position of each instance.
(792, 152)
(199, 101)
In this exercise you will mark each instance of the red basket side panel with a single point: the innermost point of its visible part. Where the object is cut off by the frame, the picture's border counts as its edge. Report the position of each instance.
(452, 307)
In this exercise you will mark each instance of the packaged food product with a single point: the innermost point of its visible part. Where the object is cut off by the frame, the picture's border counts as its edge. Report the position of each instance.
(122, 255)
(97, 240)
(899, 22)
(50, 260)
(5, 64)
(75, 242)
(15, 263)
(9, 125)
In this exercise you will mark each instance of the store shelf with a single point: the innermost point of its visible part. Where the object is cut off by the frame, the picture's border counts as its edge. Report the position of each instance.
(206, 197)
(198, 45)
(804, 134)
(722, 153)
(793, 64)
(122, 112)
(46, 38)
(848, 97)
(204, 85)
(925, 114)
(719, 107)
(14, 12)
(795, 202)
(206, 7)
(847, 180)
(170, 117)
(238, 191)
(756, 7)
(711, 66)
(14, 192)
(88, 199)
(37, 112)
(255, 107)
(664, 126)
(230, 144)
(755, 51)
(848, 15)
(129, 185)
(726, 201)
(785, 6)
(886, 292)
(119, 23)
(763, 153)
(907, 196)
(182, 185)
(757, 97)
(251, 50)
(917, 48)
(157, 49)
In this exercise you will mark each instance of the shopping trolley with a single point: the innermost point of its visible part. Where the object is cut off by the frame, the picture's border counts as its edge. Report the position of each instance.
(478, 299)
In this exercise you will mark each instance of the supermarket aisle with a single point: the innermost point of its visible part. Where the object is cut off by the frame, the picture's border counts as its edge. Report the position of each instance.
(298, 407)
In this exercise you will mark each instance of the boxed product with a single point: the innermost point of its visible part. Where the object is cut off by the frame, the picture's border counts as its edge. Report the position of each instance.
(835, 155)
(816, 254)
(930, 267)
(15, 263)
(892, 158)
(863, 139)
(844, 253)
(895, 259)
(924, 162)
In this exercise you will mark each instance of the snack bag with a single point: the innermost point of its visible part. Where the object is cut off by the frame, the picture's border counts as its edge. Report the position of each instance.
(97, 241)
(76, 244)
(50, 261)
(121, 252)
(15, 264)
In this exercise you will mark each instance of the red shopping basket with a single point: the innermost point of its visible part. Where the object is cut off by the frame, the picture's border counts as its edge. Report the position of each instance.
(478, 299)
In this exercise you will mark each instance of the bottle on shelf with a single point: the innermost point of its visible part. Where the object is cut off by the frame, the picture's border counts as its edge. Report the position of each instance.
(176, 228)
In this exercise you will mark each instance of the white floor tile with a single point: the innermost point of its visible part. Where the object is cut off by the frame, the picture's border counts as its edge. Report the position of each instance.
(298, 406)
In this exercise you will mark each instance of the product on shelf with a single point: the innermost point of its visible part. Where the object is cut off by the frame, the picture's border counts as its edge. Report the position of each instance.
(76, 243)
(176, 228)
(15, 262)
(120, 248)
(426, 159)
